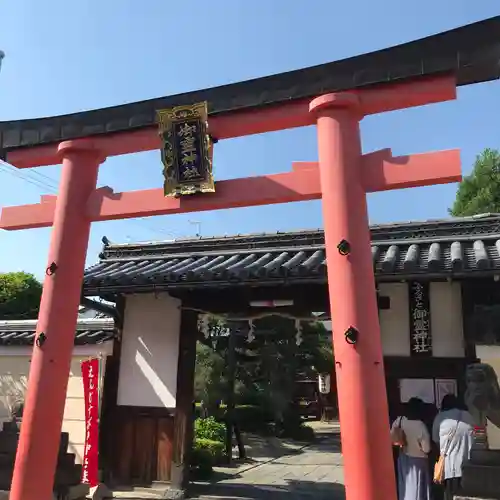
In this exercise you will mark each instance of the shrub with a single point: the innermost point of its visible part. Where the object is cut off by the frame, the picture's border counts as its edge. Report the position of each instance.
(201, 463)
(299, 433)
(215, 449)
(209, 429)
(252, 418)
(204, 456)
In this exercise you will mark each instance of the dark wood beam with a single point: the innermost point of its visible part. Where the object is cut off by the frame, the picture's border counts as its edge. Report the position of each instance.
(306, 298)
(108, 436)
(183, 421)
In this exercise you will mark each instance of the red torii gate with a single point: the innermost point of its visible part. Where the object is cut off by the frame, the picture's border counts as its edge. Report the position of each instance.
(427, 70)
(341, 179)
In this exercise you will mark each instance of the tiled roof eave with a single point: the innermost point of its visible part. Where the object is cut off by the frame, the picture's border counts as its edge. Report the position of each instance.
(485, 227)
(89, 290)
(89, 332)
(437, 275)
(113, 288)
(450, 249)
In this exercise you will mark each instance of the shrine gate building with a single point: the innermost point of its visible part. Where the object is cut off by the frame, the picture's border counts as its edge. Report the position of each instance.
(158, 287)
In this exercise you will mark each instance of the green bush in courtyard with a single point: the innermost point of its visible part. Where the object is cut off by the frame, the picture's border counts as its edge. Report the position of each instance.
(201, 464)
(209, 429)
(208, 447)
(204, 456)
(215, 449)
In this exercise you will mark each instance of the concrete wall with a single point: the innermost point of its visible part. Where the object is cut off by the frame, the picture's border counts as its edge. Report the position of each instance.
(446, 319)
(149, 352)
(14, 371)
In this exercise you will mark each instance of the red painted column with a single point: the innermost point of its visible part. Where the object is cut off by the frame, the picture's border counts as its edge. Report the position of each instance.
(364, 420)
(50, 365)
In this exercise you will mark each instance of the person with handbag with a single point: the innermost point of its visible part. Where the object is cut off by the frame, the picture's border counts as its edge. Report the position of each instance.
(452, 431)
(410, 435)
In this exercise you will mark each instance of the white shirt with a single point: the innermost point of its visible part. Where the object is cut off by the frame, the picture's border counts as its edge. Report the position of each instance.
(457, 448)
(418, 441)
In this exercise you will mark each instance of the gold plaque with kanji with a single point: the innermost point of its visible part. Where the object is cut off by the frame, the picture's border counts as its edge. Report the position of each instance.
(186, 150)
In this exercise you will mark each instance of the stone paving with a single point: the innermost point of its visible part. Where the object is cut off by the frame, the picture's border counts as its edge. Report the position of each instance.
(313, 471)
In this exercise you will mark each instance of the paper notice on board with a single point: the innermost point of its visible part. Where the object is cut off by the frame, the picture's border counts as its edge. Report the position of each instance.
(422, 388)
(443, 387)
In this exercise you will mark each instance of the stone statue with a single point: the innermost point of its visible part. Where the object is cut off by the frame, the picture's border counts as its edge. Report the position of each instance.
(16, 410)
(16, 416)
(480, 473)
(482, 398)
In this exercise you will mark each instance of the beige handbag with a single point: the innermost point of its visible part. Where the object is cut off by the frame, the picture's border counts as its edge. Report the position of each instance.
(439, 470)
(398, 436)
(439, 466)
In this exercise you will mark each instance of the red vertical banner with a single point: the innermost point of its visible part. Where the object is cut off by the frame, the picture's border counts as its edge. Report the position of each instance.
(90, 465)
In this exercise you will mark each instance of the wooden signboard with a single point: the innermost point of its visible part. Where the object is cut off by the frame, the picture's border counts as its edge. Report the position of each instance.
(420, 319)
(186, 150)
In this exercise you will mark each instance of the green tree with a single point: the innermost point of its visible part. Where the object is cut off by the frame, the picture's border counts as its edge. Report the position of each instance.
(20, 295)
(209, 378)
(479, 192)
(258, 381)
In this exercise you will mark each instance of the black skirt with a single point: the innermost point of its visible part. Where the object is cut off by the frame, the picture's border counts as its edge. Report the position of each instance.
(452, 487)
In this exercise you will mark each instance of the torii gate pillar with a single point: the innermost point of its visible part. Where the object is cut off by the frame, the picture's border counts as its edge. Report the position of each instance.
(369, 466)
(50, 365)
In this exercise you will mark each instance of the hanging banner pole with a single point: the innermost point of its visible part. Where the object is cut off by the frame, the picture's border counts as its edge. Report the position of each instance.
(90, 466)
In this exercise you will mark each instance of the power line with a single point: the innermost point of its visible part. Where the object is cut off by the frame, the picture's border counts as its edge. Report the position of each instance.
(35, 174)
(42, 181)
(46, 183)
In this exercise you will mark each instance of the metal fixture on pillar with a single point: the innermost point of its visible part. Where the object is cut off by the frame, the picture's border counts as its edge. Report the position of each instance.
(2, 55)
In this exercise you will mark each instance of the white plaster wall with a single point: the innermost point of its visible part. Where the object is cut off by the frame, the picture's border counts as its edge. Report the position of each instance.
(149, 352)
(395, 322)
(490, 354)
(14, 370)
(446, 319)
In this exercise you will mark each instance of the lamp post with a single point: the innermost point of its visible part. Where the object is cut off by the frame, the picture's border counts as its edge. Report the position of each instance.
(2, 55)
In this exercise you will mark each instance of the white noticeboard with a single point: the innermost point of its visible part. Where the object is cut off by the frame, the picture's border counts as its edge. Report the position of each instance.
(324, 383)
(445, 386)
(422, 388)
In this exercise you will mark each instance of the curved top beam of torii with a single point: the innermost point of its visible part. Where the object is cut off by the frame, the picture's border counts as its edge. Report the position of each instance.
(381, 170)
(470, 53)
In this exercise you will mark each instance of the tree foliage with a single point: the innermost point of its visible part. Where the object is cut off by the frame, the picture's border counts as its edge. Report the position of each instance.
(267, 367)
(210, 378)
(479, 192)
(20, 295)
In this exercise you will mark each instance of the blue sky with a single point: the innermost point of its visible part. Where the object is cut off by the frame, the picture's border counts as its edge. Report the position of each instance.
(65, 57)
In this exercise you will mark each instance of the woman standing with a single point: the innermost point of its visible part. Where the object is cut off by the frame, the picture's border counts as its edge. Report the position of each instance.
(452, 431)
(413, 467)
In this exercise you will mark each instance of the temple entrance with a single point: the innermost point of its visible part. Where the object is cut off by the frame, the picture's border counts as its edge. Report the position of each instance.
(250, 330)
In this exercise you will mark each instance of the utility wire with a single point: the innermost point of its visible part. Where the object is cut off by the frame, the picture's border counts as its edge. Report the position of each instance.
(46, 183)
(41, 181)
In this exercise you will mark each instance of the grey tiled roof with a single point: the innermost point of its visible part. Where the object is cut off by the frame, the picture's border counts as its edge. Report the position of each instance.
(88, 331)
(451, 247)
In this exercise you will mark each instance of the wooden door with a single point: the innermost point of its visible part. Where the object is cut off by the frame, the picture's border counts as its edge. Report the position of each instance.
(143, 446)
